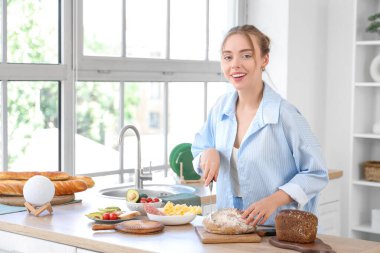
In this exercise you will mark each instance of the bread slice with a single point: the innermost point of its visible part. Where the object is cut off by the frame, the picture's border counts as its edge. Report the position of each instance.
(296, 226)
(129, 215)
(227, 221)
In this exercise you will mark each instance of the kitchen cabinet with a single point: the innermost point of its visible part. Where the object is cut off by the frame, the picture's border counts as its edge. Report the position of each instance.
(84, 251)
(365, 111)
(329, 208)
(15, 243)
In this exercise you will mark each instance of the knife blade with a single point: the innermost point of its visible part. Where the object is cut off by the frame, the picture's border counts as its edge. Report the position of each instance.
(210, 186)
(265, 230)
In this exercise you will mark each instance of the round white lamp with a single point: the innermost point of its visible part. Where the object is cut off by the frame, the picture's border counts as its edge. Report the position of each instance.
(38, 192)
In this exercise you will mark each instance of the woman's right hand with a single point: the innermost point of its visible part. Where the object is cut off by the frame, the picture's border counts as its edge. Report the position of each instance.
(210, 161)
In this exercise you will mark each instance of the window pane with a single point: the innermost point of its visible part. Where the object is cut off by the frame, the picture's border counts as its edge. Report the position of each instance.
(214, 91)
(1, 33)
(222, 18)
(32, 31)
(188, 29)
(97, 117)
(1, 127)
(142, 100)
(33, 126)
(185, 112)
(102, 25)
(146, 30)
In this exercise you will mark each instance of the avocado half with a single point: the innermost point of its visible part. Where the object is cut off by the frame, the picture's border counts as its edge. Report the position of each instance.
(132, 195)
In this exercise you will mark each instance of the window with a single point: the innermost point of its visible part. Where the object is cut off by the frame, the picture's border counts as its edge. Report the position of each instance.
(149, 63)
(30, 85)
(32, 31)
(33, 120)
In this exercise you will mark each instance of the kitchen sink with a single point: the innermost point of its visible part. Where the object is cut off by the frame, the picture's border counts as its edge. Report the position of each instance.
(152, 190)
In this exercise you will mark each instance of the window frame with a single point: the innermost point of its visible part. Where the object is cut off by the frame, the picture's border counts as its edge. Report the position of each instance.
(74, 66)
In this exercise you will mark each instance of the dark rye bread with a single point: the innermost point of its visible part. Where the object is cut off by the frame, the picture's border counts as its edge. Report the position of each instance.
(296, 226)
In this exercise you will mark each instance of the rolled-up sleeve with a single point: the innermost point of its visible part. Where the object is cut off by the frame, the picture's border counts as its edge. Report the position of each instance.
(312, 174)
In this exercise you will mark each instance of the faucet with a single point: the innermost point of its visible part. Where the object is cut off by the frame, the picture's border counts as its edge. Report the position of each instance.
(139, 175)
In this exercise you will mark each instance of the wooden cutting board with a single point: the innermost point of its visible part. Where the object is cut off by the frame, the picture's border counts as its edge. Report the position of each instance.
(207, 237)
(317, 247)
(19, 200)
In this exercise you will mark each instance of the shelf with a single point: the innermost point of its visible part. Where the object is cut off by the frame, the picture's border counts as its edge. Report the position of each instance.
(367, 136)
(366, 183)
(365, 228)
(367, 84)
(368, 43)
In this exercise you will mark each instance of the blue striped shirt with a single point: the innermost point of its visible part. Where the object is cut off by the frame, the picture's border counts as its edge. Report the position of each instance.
(278, 151)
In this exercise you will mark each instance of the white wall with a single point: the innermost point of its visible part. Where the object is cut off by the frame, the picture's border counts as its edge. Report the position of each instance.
(307, 61)
(340, 70)
(271, 17)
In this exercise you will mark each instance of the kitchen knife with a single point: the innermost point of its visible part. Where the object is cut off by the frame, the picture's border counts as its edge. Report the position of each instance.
(266, 231)
(210, 186)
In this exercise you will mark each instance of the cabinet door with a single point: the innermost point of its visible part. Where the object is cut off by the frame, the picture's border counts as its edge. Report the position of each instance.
(24, 244)
(329, 219)
(329, 208)
(84, 251)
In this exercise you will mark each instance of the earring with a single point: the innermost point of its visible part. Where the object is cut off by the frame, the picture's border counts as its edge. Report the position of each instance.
(263, 69)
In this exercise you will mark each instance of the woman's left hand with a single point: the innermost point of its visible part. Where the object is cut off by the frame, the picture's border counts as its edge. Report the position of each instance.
(259, 212)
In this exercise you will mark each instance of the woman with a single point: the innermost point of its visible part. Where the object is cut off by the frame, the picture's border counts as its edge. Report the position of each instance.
(255, 145)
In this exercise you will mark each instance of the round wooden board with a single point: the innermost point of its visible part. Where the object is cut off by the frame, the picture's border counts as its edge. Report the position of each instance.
(140, 226)
(19, 201)
(318, 246)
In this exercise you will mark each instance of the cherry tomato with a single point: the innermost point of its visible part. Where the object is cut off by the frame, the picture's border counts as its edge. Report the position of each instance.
(149, 200)
(106, 216)
(143, 201)
(156, 200)
(113, 216)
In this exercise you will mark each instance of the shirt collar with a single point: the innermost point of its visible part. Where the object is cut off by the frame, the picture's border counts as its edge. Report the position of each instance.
(268, 111)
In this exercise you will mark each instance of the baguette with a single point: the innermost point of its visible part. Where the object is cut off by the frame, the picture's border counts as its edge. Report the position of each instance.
(52, 175)
(15, 187)
(88, 180)
(11, 187)
(69, 186)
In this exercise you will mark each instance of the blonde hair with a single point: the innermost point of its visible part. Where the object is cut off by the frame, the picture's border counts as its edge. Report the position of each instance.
(247, 30)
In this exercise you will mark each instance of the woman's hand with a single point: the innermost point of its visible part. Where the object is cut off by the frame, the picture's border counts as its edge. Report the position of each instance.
(210, 161)
(259, 212)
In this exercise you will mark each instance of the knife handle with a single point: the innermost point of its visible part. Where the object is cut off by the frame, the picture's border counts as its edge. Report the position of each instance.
(103, 226)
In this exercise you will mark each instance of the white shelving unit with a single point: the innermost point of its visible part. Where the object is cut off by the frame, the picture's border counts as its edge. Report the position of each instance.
(365, 195)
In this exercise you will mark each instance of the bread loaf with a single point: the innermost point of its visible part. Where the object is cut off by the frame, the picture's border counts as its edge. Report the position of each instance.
(69, 186)
(52, 175)
(15, 187)
(296, 226)
(11, 187)
(88, 180)
(227, 221)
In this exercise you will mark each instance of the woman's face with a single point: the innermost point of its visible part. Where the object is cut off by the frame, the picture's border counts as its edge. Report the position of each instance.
(240, 65)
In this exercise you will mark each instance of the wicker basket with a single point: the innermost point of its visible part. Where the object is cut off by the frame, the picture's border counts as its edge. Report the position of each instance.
(372, 171)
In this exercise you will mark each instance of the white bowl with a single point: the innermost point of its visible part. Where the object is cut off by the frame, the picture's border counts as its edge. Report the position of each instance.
(140, 206)
(172, 219)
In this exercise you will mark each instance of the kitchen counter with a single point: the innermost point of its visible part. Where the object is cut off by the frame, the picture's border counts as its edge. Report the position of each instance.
(69, 226)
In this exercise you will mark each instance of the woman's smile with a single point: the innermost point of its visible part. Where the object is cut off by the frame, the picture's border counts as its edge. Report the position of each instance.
(238, 76)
